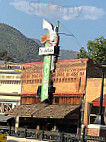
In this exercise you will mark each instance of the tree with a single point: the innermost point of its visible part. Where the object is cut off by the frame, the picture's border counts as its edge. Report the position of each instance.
(96, 50)
(82, 54)
(4, 56)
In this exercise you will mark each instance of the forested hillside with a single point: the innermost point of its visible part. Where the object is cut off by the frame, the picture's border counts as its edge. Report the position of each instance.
(19, 47)
(22, 49)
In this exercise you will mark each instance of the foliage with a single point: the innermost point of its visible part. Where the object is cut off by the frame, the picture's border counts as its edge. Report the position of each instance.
(18, 47)
(82, 54)
(4, 56)
(23, 49)
(96, 50)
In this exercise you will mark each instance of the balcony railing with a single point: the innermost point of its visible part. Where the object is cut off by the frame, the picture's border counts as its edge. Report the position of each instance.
(51, 136)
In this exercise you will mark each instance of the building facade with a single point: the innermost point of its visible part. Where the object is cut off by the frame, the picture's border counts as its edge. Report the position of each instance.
(78, 84)
(92, 100)
(10, 86)
(70, 79)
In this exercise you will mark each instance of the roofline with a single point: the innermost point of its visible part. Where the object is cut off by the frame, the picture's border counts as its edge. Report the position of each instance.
(98, 98)
(55, 94)
(69, 94)
(59, 61)
(75, 60)
(98, 104)
(33, 63)
(10, 94)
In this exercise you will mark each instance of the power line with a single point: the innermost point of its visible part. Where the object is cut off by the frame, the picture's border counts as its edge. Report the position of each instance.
(66, 29)
(70, 34)
(66, 34)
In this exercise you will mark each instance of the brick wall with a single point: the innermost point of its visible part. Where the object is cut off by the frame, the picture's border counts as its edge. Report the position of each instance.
(93, 90)
(69, 77)
(96, 130)
(31, 77)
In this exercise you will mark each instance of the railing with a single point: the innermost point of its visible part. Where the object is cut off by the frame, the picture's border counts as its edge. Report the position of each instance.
(71, 137)
(51, 136)
(95, 139)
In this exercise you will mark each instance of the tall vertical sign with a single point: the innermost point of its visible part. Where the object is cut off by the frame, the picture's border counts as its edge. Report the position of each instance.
(46, 76)
(50, 39)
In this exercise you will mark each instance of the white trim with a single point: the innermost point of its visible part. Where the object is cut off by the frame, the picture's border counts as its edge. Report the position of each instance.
(96, 126)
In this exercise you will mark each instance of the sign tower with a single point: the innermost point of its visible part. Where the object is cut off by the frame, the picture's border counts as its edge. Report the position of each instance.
(50, 53)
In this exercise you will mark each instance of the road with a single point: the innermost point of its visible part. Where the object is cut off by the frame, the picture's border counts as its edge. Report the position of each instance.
(14, 139)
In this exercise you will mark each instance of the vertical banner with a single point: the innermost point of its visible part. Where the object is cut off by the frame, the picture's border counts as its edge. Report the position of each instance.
(50, 40)
(46, 76)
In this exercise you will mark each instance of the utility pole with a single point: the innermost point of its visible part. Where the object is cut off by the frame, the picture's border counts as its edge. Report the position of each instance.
(100, 116)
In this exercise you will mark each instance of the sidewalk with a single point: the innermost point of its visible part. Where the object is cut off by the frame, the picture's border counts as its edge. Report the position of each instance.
(14, 139)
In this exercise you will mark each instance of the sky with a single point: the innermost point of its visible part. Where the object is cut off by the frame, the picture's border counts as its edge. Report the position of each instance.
(83, 20)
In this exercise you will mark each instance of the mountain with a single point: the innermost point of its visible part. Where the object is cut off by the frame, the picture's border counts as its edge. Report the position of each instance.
(19, 47)
(68, 54)
(22, 49)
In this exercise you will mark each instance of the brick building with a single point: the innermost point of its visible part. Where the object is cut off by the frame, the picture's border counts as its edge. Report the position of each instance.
(92, 99)
(71, 80)
(92, 103)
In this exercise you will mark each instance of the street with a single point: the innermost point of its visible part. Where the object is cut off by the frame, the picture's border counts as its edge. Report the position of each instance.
(14, 139)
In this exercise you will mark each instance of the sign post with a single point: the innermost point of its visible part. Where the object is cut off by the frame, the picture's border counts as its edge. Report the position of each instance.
(51, 43)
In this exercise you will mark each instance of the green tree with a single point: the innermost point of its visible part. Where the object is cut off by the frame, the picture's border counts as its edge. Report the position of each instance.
(82, 54)
(4, 56)
(96, 50)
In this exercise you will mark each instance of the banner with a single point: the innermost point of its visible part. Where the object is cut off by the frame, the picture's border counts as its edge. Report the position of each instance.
(50, 40)
(46, 76)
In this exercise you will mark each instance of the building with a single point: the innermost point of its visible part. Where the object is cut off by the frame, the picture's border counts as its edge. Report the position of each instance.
(71, 82)
(92, 107)
(92, 99)
(10, 86)
(69, 79)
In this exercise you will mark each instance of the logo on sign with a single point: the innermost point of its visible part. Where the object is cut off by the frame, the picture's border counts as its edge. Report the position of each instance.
(46, 50)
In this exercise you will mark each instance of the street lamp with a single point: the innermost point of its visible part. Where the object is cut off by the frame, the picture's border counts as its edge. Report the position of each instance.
(100, 116)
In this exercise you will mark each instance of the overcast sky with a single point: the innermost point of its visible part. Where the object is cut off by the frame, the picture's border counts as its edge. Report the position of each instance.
(85, 19)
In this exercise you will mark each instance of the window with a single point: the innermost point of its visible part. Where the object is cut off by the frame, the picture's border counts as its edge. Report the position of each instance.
(68, 79)
(57, 100)
(92, 118)
(63, 80)
(94, 113)
(59, 79)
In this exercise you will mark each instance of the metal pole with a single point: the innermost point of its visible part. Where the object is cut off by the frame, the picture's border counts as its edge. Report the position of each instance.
(101, 96)
(58, 25)
(100, 117)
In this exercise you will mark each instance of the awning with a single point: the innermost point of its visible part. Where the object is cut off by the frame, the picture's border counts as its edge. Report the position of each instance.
(5, 118)
(96, 102)
(45, 111)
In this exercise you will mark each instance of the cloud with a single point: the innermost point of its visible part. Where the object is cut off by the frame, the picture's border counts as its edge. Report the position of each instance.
(57, 11)
(90, 12)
